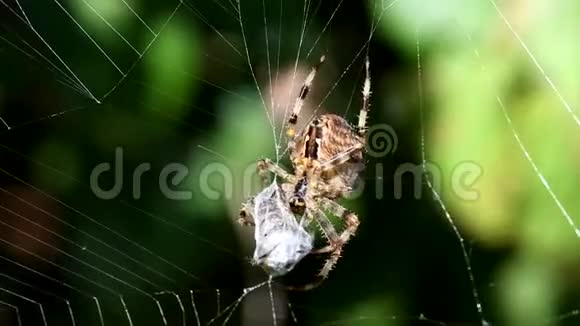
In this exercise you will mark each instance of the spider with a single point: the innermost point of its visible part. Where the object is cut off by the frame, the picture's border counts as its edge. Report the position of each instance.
(327, 159)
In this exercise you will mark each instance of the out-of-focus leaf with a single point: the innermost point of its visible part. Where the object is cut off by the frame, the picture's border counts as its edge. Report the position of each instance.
(61, 157)
(172, 64)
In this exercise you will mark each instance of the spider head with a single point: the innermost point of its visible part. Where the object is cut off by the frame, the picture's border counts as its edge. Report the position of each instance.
(280, 251)
(297, 205)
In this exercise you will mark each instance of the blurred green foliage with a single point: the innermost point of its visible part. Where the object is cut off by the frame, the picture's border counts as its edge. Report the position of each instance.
(181, 90)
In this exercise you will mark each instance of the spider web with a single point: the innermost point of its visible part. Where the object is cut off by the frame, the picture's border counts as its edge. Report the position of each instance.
(122, 74)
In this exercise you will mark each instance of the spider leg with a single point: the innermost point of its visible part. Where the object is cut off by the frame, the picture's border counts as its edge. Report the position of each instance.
(327, 228)
(341, 158)
(332, 237)
(323, 274)
(306, 219)
(291, 130)
(266, 165)
(337, 241)
(366, 92)
(350, 218)
(245, 217)
(335, 167)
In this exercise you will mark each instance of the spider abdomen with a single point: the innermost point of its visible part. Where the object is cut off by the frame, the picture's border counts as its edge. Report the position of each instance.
(325, 138)
(331, 144)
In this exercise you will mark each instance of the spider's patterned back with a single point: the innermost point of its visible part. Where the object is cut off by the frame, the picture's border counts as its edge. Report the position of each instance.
(333, 143)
